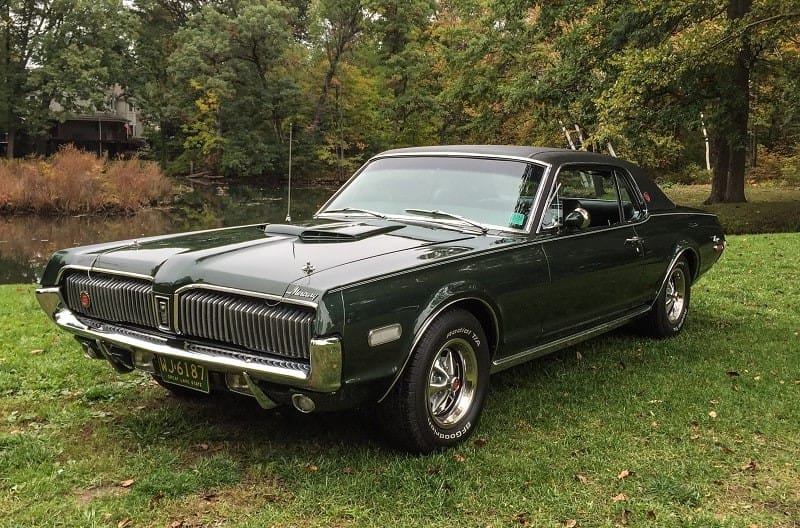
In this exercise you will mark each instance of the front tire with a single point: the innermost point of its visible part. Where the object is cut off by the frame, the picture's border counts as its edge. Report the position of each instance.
(438, 401)
(668, 315)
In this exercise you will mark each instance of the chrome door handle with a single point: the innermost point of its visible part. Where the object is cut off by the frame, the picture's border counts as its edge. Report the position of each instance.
(637, 243)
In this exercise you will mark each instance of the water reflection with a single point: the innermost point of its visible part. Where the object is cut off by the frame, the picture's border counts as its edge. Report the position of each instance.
(27, 242)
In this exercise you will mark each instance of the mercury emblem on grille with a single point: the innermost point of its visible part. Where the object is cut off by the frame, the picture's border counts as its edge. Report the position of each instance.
(86, 301)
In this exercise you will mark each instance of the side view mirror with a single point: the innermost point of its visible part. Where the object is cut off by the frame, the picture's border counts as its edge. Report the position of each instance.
(577, 219)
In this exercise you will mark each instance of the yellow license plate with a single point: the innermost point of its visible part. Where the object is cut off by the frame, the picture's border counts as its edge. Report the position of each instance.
(184, 373)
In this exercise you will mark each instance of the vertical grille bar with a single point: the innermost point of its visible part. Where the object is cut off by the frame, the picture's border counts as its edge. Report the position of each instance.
(283, 330)
(117, 299)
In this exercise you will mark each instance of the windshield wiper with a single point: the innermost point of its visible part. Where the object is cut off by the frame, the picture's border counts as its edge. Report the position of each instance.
(354, 210)
(435, 213)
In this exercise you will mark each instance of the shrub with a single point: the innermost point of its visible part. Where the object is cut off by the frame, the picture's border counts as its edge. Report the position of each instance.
(73, 181)
(773, 166)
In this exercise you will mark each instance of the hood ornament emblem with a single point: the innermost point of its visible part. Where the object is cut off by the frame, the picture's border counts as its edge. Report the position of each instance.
(308, 268)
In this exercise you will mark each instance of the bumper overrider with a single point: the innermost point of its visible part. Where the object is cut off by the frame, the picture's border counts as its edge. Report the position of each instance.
(128, 349)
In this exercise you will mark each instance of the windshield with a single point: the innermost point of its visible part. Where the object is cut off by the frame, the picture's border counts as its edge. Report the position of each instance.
(491, 192)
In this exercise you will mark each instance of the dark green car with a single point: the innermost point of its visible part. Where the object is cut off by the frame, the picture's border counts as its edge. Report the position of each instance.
(429, 270)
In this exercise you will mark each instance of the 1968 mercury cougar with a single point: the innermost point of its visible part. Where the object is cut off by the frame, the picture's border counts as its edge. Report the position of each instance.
(430, 269)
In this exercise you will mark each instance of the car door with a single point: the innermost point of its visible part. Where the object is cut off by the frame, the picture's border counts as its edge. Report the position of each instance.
(595, 269)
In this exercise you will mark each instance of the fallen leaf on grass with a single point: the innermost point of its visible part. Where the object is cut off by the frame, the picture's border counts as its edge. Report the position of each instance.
(347, 471)
(732, 374)
(651, 515)
(570, 523)
(209, 497)
(620, 498)
(583, 479)
(752, 465)
(712, 414)
(127, 483)
(124, 523)
(37, 352)
(624, 474)
(311, 467)
(623, 516)
(479, 442)
(578, 356)
(522, 518)
(458, 457)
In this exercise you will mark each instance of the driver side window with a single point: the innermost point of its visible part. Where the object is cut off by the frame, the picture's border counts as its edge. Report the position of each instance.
(593, 191)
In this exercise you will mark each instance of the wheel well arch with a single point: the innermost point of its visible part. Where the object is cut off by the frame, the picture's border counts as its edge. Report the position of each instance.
(485, 316)
(482, 311)
(692, 260)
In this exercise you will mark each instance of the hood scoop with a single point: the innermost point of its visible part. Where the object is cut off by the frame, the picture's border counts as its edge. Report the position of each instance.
(337, 232)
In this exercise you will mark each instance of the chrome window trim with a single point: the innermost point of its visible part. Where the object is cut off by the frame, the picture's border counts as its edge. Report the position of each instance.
(610, 166)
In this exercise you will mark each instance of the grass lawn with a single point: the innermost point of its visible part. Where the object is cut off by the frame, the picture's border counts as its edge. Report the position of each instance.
(701, 430)
(770, 207)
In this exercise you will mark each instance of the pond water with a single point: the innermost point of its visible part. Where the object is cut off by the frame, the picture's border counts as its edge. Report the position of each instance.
(27, 242)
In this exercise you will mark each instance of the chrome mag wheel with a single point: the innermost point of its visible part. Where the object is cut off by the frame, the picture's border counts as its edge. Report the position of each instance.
(452, 383)
(675, 298)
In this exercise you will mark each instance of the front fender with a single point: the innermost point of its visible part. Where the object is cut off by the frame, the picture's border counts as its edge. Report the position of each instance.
(467, 294)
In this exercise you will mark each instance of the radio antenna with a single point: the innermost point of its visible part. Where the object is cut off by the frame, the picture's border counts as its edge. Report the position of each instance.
(289, 196)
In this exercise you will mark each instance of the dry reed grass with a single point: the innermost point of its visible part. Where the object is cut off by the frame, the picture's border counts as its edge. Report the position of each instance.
(76, 182)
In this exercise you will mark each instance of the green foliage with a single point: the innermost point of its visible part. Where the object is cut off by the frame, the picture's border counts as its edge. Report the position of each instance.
(58, 57)
(222, 82)
(232, 60)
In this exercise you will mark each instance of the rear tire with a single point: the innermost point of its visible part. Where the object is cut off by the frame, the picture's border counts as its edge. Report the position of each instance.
(668, 315)
(438, 400)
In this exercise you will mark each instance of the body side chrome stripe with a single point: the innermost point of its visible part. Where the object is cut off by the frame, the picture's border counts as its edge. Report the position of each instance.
(546, 348)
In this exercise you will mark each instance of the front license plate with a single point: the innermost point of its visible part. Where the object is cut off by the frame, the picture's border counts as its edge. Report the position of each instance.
(184, 373)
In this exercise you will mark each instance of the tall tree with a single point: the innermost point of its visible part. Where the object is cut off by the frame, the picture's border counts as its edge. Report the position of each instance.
(340, 23)
(657, 66)
(57, 57)
(151, 83)
(234, 66)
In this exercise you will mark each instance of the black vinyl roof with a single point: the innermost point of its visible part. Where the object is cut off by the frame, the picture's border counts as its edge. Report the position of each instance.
(552, 156)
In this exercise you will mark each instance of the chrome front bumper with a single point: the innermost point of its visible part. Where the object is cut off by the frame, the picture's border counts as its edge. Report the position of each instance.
(322, 374)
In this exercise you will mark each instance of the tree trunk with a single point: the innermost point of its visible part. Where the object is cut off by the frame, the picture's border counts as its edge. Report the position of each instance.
(12, 136)
(739, 108)
(719, 172)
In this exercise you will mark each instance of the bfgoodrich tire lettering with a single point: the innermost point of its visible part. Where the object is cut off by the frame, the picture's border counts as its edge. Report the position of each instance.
(439, 398)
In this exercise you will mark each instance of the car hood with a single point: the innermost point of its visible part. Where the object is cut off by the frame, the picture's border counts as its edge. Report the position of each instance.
(264, 259)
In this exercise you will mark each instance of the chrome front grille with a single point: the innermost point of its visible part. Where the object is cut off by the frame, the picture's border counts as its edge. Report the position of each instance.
(111, 298)
(248, 322)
